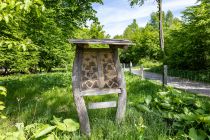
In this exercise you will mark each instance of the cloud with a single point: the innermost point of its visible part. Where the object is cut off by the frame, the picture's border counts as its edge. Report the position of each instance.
(116, 15)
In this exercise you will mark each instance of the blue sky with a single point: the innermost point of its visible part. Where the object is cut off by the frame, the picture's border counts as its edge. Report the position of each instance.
(116, 15)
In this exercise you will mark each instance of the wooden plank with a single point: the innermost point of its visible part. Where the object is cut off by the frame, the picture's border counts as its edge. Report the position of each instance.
(116, 42)
(100, 72)
(98, 105)
(96, 92)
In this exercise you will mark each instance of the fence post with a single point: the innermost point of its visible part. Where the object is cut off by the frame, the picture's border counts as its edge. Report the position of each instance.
(124, 66)
(130, 68)
(142, 72)
(165, 74)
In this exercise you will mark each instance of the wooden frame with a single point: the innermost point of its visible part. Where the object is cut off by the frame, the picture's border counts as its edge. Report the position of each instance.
(99, 82)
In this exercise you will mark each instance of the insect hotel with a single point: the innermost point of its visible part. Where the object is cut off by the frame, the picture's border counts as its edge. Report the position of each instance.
(97, 71)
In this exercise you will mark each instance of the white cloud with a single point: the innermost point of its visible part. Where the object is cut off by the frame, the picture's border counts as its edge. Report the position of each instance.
(115, 15)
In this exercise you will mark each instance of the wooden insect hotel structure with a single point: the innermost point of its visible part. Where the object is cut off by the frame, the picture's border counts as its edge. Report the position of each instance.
(97, 71)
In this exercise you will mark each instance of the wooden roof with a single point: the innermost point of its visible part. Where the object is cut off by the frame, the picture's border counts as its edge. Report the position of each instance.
(113, 42)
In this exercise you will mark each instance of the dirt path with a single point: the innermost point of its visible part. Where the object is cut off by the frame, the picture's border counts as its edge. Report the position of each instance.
(179, 83)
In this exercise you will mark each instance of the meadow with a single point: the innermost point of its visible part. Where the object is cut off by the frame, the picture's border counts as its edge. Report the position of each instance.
(153, 113)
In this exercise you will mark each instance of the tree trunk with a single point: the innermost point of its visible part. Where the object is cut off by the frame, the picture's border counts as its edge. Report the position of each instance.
(161, 36)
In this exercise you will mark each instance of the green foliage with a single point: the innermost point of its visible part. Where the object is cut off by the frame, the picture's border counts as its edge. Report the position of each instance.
(40, 130)
(183, 114)
(146, 39)
(3, 92)
(188, 46)
(148, 63)
(35, 32)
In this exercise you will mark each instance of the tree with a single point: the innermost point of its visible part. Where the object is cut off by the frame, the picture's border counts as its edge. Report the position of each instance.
(133, 33)
(43, 25)
(161, 36)
(189, 44)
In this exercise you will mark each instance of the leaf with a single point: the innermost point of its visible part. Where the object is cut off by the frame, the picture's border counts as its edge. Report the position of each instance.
(6, 18)
(163, 93)
(205, 119)
(23, 47)
(148, 99)
(68, 125)
(20, 126)
(2, 107)
(2, 5)
(143, 108)
(166, 105)
(19, 135)
(56, 120)
(44, 130)
(2, 116)
(196, 135)
(51, 137)
(3, 91)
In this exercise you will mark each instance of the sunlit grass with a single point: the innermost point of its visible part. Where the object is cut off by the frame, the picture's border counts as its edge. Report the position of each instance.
(37, 98)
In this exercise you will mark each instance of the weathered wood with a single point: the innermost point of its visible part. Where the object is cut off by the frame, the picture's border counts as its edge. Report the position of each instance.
(116, 42)
(130, 67)
(121, 108)
(98, 105)
(100, 73)
(96, 92)
(118, 67)
(165, 74)
(142, 72)
(82, 113)
(79, 101)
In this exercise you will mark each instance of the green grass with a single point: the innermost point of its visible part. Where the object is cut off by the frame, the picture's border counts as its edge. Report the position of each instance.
(37, 98)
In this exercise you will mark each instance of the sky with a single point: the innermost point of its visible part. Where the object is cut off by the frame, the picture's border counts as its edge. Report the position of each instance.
(116, 15)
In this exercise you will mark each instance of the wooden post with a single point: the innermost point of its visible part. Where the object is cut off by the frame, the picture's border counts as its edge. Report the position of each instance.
(130, 67)
(142, 72)
(165, 74)
(79, 101)
(121, 107)
(82, 113)
(124, 66)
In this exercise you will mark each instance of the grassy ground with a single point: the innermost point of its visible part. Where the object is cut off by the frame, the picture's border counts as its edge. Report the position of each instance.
(37, 98)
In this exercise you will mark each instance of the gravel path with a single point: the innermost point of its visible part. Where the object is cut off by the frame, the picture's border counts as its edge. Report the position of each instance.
(179, 83)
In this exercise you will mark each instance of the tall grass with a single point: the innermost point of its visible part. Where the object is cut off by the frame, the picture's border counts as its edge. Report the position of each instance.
(37, 98)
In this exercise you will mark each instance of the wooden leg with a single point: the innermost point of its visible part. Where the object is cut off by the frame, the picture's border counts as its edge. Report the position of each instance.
(82, 113)
(121, 108)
